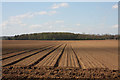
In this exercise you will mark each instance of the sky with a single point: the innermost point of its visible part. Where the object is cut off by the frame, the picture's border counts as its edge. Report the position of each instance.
(77, 17)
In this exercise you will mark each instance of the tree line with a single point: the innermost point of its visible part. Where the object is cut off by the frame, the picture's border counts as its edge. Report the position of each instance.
(61, 36)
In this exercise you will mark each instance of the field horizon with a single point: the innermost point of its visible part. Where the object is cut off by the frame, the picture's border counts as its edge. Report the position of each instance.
(61, 36)
(60, 40)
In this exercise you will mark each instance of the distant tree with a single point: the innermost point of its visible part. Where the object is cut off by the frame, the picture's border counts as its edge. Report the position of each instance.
(62, 36)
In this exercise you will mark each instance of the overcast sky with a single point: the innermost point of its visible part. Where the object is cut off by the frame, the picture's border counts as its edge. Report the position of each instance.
(77, 17)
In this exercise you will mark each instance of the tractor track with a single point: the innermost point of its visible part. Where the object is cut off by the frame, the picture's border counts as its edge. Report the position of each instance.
(25, 57)
(22, 53)
(35, 63)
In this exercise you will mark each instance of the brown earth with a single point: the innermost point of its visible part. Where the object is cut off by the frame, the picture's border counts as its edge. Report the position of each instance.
(27, 59)
(70, 73)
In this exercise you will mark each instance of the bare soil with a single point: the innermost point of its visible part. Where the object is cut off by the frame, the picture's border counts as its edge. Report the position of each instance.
(31, 73)
(46, 60)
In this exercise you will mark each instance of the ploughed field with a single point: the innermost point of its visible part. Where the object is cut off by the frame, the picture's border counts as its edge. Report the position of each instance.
(60, 59)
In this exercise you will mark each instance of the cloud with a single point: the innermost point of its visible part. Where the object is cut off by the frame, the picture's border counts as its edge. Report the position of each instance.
(44, 25)
(35, 26)
(55, 6)
(4, 24)
(115, 26)
(77, 24)
(17, 20)
(12, 23)
(59, 21)
(44, 13)
(115, 6)
(47, 25)
(52, 12)
(40, 13)
(26, 15)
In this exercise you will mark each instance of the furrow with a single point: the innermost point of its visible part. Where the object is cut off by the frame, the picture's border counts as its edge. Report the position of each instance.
(16, 54)
(74, 62)
(50, 58)
(91, 62)
(78, 61)
(34, 58)
(35, 63)
(62, 60)
(59, 58)
(57, 54)
(17, 59)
